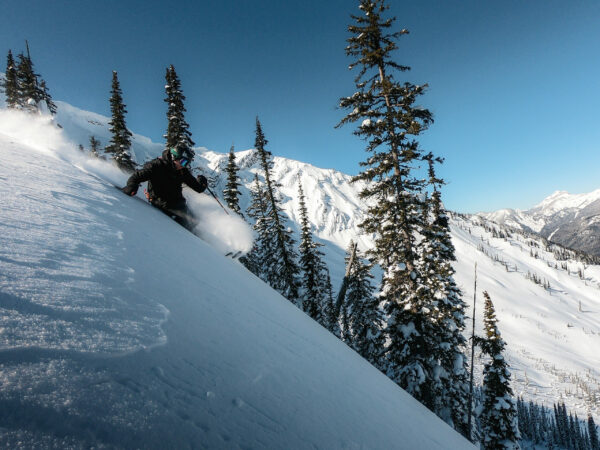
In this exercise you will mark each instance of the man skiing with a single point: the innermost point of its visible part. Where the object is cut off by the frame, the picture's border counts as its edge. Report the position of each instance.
(165, 175)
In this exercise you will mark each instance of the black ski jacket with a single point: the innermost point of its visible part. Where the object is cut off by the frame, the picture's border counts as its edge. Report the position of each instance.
(164, 182)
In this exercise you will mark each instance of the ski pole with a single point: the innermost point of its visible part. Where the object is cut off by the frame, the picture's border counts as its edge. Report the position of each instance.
(215, 197)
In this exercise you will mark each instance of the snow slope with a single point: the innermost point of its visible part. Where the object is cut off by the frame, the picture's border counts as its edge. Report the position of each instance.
(118, 328)
(552, 333)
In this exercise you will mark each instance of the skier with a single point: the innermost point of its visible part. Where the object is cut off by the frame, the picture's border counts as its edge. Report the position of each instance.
(165, 176)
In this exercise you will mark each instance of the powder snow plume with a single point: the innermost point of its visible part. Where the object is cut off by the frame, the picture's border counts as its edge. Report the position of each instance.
(226, 232)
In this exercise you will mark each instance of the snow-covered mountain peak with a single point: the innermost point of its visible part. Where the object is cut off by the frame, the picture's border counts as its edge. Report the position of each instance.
(563, 200)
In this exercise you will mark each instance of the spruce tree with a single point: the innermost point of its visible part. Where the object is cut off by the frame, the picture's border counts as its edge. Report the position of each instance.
(390, 121)
(279, 265)
(331, 311)
(593, 433)
(178, 133)
(10, 84)
(499, 416)
(231, 193)
(29, 92)
(47, 98)
(450, 388)
(120, 142)
(263, 242)
(364, 320)
(94, 147)
(314, 290)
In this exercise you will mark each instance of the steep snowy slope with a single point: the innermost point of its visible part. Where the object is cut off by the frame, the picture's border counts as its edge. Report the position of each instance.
(118, 328)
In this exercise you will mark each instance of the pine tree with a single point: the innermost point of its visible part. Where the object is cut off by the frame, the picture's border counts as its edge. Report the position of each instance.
(120, 142)
(499, 417)
(390, 124)
(47, 98)
(29, 92)
(593, 433)
(10, 84)
(314, 290)
(94, 147)
(364, 321)
(178, 133)
(450, 386)
(279, 265)
(331, 312)
(263, 241)
(231, 193)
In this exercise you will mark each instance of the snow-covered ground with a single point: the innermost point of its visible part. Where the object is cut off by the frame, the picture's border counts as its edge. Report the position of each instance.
(118, 328)
(552, 333)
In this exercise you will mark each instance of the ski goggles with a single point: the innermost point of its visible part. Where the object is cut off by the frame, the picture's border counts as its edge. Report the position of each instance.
(183, 162)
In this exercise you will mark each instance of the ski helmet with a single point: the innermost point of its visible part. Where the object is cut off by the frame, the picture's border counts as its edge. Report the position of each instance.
(181, 154)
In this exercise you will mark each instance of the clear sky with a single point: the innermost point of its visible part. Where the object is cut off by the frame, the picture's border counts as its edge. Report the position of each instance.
(514, 85)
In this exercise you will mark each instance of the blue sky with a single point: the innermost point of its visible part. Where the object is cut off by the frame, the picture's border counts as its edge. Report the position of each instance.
(514, 86)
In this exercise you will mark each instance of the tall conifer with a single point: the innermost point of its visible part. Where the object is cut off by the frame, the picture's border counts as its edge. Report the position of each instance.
(390, 120)
(178, 133)
(331, 313)
(364, 320)
(449, 388)
(263, 242)
(593, 433)
(29, 92)
(280, 268)
(120, 142)
(231, 193)
(47, 98)
(499, 416)
(314, 290)
(10, 84)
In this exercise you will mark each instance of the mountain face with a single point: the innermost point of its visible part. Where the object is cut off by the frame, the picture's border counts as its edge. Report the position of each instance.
(572, 220)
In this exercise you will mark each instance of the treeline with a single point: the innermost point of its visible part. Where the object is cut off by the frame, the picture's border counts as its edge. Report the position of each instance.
(554, 428)
(23, 88)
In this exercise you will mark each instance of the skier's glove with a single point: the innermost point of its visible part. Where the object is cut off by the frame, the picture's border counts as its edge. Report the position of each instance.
(202, 181)
(130, 190)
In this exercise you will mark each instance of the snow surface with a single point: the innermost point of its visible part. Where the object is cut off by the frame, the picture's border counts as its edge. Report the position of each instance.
(118, 328)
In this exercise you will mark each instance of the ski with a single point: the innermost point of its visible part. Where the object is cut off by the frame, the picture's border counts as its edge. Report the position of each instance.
(234, 255)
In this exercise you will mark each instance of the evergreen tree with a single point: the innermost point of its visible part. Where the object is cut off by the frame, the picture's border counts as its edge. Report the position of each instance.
(361, 307)
(120, 142)
(231, 193)
(499, 416)
(314, 290)
(279, 265)
(178, 133)
(94, 147)
(331, 312)
(29, 92)
(47, 98)
(450, 387)
(263, 241)
(10, 84)
(390, 124)
(593, 433)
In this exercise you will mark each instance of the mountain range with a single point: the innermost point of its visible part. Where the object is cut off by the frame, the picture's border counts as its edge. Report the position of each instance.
(572, 220)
